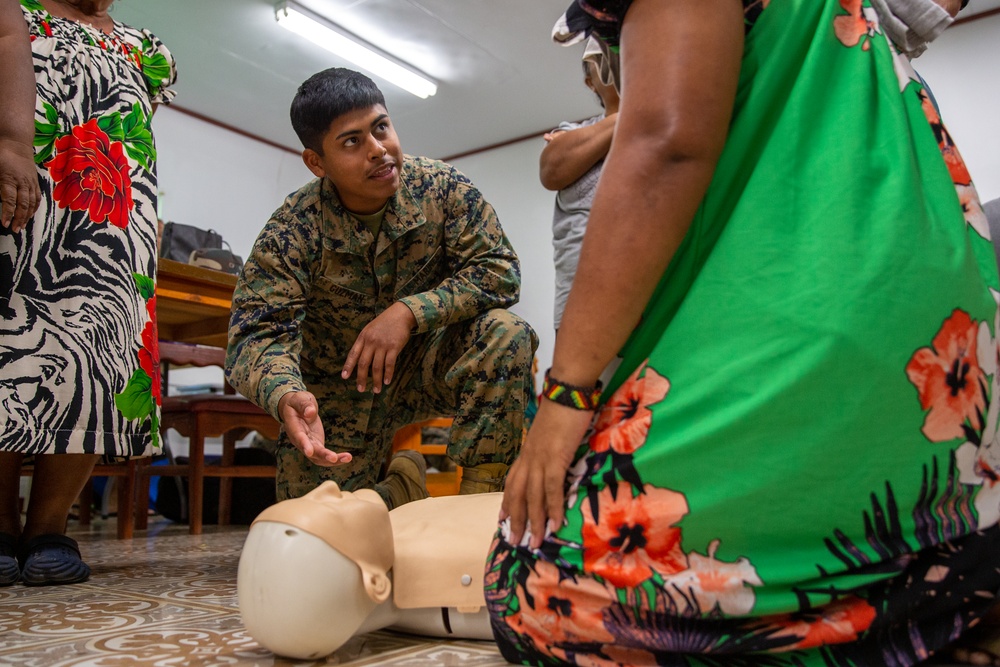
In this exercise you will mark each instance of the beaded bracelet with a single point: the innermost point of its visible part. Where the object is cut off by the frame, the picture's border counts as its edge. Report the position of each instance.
(580, 398)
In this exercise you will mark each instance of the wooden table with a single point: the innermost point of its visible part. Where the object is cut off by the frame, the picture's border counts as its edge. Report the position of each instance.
(192, 303)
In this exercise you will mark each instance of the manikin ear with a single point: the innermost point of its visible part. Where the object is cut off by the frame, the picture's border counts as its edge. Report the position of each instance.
(314, 162)
(377, 585)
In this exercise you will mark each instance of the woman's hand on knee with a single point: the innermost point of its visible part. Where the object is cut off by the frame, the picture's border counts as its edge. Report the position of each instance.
(533, 495)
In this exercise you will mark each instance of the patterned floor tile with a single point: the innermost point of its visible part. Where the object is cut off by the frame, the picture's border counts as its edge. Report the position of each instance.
(167, 598)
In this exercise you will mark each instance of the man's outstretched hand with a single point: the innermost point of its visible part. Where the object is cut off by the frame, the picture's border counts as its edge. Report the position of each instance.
(299, 413)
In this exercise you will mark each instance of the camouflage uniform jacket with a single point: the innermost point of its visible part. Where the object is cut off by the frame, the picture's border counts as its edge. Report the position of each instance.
(316, 277)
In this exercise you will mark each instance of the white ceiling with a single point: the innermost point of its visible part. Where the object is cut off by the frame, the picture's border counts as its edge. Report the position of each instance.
(500, 76)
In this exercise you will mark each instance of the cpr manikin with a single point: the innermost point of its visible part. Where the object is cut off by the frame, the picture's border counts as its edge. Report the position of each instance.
(319, 569)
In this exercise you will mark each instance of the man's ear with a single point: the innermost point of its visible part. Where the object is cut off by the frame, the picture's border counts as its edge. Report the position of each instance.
(313, 162)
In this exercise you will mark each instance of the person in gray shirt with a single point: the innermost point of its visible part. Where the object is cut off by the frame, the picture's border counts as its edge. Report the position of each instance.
(992, 210)
(571, 164)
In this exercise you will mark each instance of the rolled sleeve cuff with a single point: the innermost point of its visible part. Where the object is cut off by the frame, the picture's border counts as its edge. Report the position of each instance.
(427, 310)
(272, 393)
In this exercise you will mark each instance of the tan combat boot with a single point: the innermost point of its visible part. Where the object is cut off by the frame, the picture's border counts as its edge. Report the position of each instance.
(484, 478)
(406, 479)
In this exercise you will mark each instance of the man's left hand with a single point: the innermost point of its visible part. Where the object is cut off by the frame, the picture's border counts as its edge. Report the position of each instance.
(378, 346)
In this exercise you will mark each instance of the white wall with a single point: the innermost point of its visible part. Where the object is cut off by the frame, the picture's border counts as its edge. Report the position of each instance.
(962, 68)
(214, 178)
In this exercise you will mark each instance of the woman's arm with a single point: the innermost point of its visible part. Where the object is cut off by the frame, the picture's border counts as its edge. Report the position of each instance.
(569, 154)
(680, 66)
(19, 190)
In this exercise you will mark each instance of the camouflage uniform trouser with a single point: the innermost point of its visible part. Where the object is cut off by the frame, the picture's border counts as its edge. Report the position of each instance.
(476, 371)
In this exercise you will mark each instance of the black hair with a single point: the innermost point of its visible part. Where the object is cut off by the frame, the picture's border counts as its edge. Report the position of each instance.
(326, 96)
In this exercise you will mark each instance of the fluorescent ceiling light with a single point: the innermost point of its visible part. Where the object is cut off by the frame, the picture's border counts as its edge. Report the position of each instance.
(322, 32)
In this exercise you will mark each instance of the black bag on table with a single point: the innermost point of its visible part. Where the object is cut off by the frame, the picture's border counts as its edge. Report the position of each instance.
(200, 247)
(180, 240)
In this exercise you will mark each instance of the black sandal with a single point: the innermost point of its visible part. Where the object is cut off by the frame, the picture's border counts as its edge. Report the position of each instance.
(52, 560)
(10, 571)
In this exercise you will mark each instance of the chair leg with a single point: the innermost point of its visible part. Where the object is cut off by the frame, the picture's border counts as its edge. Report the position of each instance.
(86, 501)
(126, 511)
(196, 480)
(111, 484)
(226, 483)
(178, 481)
(140, 482)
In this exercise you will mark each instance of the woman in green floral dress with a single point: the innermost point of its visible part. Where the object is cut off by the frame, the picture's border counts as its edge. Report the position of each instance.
(798, 461)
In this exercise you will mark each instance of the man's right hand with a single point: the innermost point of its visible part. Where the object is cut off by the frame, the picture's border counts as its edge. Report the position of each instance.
(299, 413)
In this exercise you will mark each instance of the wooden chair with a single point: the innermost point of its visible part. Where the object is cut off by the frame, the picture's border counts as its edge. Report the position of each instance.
(126, 476)
(411, 437)
(200, 416)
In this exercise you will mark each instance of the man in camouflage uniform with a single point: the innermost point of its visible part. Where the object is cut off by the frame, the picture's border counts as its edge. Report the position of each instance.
(375, 297)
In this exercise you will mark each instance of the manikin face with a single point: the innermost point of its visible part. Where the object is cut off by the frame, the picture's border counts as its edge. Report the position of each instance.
(361, 157)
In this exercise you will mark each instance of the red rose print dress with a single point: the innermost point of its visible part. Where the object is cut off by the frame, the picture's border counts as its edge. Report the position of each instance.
(78, 341)
(798, 462)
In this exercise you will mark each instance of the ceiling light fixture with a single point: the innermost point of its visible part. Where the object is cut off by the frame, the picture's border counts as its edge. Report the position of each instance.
(323, 32)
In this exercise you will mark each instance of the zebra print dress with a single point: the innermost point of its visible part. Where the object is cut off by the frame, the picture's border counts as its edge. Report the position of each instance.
(78, 341)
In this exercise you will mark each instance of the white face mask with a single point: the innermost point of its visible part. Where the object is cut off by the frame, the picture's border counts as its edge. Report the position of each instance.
(911, 24)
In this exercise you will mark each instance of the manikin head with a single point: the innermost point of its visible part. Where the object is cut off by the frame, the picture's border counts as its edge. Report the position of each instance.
(313, 569)
(341, 119)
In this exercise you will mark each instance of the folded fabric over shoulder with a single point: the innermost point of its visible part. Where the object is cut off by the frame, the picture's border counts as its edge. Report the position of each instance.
(912, 24)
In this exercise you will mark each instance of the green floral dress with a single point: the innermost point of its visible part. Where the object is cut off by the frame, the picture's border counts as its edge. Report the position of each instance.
(798, 461)
(79, 369)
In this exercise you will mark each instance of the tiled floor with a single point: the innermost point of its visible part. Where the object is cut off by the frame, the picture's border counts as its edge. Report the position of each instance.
(168, 598)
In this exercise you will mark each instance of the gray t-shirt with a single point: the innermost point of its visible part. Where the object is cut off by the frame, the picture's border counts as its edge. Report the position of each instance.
(569, 221)
(992, 210)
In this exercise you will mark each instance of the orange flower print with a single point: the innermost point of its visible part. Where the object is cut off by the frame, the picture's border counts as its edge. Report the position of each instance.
(715, 584)
(624, 421)
(634, 536)
(851, 29)
(956, 165)
(972, 207)
(836, 623)
(948, 379)
(565, 610)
